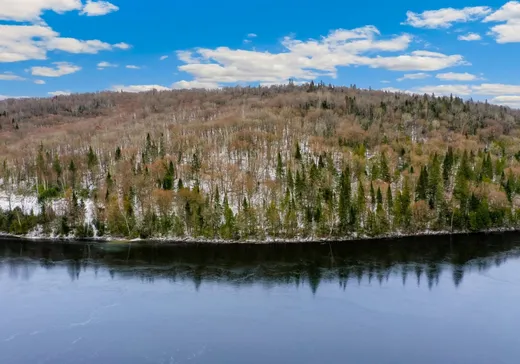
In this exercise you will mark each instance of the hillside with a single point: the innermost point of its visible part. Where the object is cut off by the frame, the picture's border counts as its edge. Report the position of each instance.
(287, 162)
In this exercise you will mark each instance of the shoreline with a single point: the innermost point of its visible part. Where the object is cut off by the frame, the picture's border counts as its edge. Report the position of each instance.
(182, 241)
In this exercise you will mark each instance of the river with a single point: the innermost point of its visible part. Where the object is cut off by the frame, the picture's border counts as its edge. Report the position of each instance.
(416, 300)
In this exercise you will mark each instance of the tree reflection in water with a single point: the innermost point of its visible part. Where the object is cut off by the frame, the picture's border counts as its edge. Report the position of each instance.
(420, 260)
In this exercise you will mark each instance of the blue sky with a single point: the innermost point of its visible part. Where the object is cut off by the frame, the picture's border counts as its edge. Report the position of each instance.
(50, 47)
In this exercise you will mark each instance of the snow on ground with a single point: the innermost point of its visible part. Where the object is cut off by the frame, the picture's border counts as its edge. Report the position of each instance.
(25, 203)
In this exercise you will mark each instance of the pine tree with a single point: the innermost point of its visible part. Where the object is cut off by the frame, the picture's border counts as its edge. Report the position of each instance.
(344, 202)
(461, 189)
(447, 166)
(464, 167)
(487, 168)
(404, 205)
(298, 153)
(384, 170)
(435, 183)
(379, 196)
(389, 199)
(360, 203)
(91, 158)
(118, 153)
(372, 194)
(279, 167)
(421, 190)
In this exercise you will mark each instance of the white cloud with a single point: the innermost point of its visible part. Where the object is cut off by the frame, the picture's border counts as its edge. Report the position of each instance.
(469, 37)
(183, 85)
(132, 67)
(31, 10)
(122, 45)
(162, 58)
(452, 76)
(385, 81)
(39, 82)
(251, 35)
(59, 93)
(61, 69)
(509, 11)
(5, 97)
(310, 59)
(32, 42)
(496, 89)
(414, 76)
(103, 65)
(97, 8)
(139, 88)
(9, 76)
(417, 60)
(444, 18)
(510, 31)
(462, 90)
(393, 89)
(511, 101)
(503, 92)
(72, 45)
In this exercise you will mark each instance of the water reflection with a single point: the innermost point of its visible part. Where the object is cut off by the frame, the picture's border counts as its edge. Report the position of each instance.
(419, 261)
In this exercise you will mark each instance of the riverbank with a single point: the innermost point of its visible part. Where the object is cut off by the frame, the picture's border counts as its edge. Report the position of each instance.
(176, 240)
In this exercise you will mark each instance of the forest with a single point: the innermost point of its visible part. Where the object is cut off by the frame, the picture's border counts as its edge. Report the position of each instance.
(279, 163)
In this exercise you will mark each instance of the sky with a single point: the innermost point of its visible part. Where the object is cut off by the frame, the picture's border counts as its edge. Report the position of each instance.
(56, 47)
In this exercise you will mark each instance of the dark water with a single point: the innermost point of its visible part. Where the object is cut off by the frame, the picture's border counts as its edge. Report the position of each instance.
(422, 300)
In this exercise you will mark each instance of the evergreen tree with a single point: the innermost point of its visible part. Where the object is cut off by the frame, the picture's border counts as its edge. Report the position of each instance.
(389, 199)
(298, 153)
(487, 168)
(91, 158)
(118, 153)
(344, 202)
(372, 194)
(279, 167)
(435, 183)
(421, 190)
(447, 166)
(384, 170)
(404, 205)
(379, 196)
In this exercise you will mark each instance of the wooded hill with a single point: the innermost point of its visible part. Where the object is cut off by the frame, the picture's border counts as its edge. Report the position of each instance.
(287, 162)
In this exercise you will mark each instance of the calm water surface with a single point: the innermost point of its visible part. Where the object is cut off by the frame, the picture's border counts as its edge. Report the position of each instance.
(422, 300)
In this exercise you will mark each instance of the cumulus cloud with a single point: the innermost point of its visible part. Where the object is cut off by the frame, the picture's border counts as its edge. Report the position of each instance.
(97, 8)
(139, 88)
(509, 32)
(32, 42)
(132, 67)
(60, 69)
(496, 89)
(511, 101)
(162, 58)
(5, 97)
(9, 76)
(469, 37)
(414, 76)
(122, 45)
(310, 59)
(503, 94)
(462, 90)
(30, 11)
(251, 35)
(103, 65)
(59, 93)
(39, 82)
(444, 18)
(184, 85)
(452, 76)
